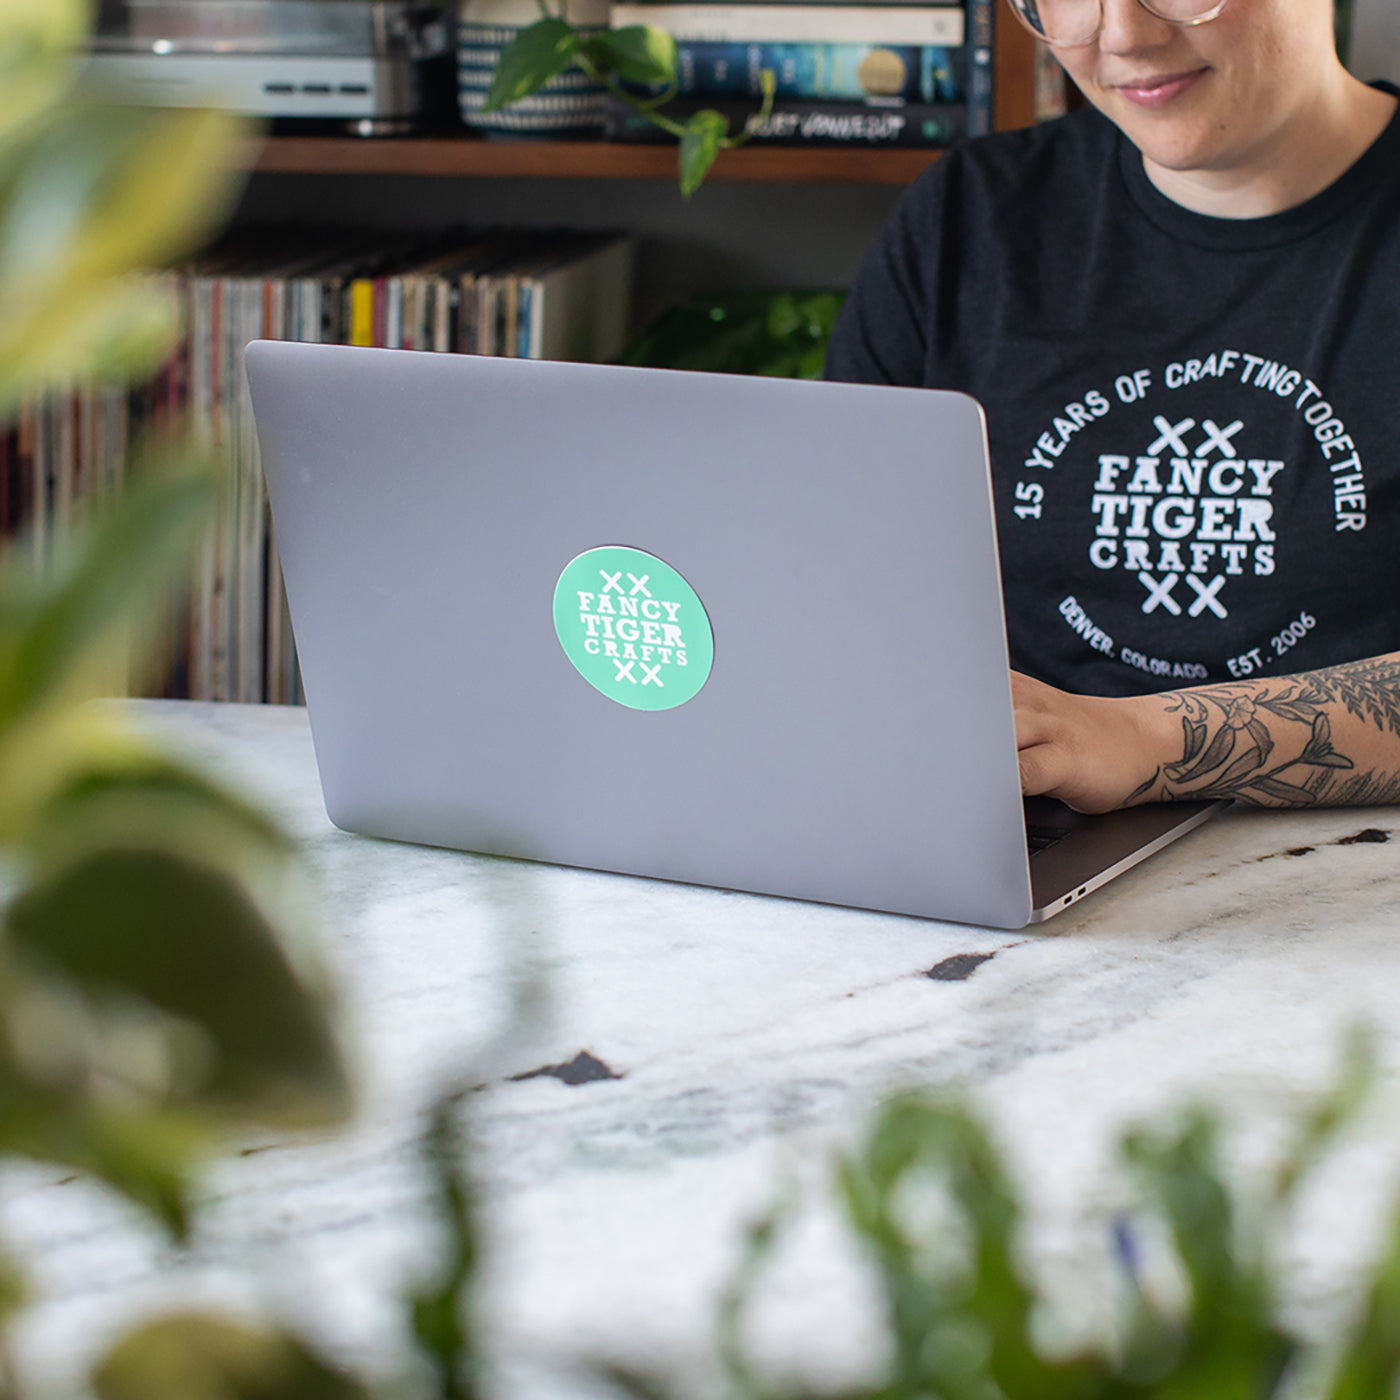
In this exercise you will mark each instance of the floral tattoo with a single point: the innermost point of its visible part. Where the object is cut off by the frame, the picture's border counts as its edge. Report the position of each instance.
(1231, 734)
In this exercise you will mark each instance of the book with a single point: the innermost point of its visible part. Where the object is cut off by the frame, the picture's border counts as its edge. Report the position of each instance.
(977, 69)
(804, 122)
(575, 304)
(918, 73)
(797, 23)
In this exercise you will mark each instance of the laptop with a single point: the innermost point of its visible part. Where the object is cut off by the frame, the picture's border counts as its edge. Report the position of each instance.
(727, 630)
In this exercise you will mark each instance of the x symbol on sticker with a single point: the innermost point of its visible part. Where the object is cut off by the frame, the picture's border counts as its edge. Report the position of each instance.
(611, 580)
(1219, 437)
(1171, 435)
(639, 585)
(1205, 596)
(650, 676)
(624, 671)
(1160, 593)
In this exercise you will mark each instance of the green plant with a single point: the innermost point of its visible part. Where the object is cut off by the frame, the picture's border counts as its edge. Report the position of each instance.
(961, 1310)
(784, 334)
(637, 55)
(154, 987)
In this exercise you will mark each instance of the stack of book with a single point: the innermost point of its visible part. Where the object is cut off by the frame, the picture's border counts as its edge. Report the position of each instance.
(891, 73)
(551, 295)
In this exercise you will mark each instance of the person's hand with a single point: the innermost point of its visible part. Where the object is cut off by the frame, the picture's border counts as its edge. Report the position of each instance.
(1093, 753)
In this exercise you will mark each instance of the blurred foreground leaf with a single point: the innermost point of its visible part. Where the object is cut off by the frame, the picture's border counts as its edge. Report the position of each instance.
(201, 1357)
(53, 634)
(1369, 1365)
(960, 1315)
(1229, 1342)
(187, 940)
(38, 39)
(95, 194)
(145, 1153)
(442, 1314)
(147, 997)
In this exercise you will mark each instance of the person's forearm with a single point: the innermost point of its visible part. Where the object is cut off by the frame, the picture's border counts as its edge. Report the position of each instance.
(1329, 737)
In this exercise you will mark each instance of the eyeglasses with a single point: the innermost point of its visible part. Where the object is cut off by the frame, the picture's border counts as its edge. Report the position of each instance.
(1070, 22)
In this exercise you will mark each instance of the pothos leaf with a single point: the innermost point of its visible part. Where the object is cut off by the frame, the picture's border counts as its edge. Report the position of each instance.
(700, 143)
(538, 53)
(637, 53)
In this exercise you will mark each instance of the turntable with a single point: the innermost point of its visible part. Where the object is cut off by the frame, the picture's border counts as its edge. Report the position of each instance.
(368, 66)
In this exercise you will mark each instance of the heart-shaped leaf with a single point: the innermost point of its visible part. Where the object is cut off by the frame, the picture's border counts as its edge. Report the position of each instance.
(700, 144)
(538, 53)
(637, 54)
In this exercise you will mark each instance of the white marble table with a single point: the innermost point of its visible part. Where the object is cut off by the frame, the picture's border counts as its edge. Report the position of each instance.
(746, 1036)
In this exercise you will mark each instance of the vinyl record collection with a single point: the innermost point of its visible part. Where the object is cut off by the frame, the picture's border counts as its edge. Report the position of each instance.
(540, 294)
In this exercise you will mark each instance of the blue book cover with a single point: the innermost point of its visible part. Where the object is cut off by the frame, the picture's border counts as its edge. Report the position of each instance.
(978, 53)
(805, 121)
(928, 73)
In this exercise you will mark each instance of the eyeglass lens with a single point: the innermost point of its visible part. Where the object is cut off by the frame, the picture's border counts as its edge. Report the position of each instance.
(1078, 21)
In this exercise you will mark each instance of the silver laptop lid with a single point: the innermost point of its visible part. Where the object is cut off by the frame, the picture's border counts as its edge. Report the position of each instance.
(852, 741)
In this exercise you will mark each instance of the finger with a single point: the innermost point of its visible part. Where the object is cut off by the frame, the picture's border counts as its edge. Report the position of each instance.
(1042, 769)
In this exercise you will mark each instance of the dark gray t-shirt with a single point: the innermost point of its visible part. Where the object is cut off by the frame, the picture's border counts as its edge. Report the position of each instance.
(1194, 422)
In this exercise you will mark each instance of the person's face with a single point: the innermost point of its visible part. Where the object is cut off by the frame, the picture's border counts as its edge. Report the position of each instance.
(1218, 96)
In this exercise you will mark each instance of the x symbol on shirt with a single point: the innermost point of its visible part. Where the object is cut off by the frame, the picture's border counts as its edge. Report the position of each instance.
(1219, 437)
(1171, 436)
(1160, 593)
(1205, 596)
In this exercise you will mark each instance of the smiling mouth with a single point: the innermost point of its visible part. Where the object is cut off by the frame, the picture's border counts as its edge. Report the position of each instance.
(1157, 91)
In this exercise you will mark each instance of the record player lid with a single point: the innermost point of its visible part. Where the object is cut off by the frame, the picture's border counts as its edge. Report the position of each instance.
(352, 27)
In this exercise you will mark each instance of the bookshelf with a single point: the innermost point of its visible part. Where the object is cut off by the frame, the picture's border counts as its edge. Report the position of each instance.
(766, 216)
(469, 156)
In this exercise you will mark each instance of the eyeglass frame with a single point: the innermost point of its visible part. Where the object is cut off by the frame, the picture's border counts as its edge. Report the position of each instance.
(1191, 23)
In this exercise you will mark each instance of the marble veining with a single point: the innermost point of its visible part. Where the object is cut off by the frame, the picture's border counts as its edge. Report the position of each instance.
(694, 1049)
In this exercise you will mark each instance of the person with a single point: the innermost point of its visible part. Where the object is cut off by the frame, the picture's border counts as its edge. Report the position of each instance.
(1180, 307)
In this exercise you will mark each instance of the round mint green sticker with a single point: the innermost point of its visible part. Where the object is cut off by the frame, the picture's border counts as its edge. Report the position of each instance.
(633, 628)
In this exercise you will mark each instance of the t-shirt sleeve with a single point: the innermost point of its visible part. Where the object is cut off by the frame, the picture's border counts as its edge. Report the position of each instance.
(882, 334)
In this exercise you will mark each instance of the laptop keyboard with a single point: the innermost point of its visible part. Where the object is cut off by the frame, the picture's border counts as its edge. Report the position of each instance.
(1048, 823)
(1041, 838)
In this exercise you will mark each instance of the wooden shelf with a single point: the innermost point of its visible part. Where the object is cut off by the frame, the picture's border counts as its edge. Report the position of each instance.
(583, 160)
(468, 155)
